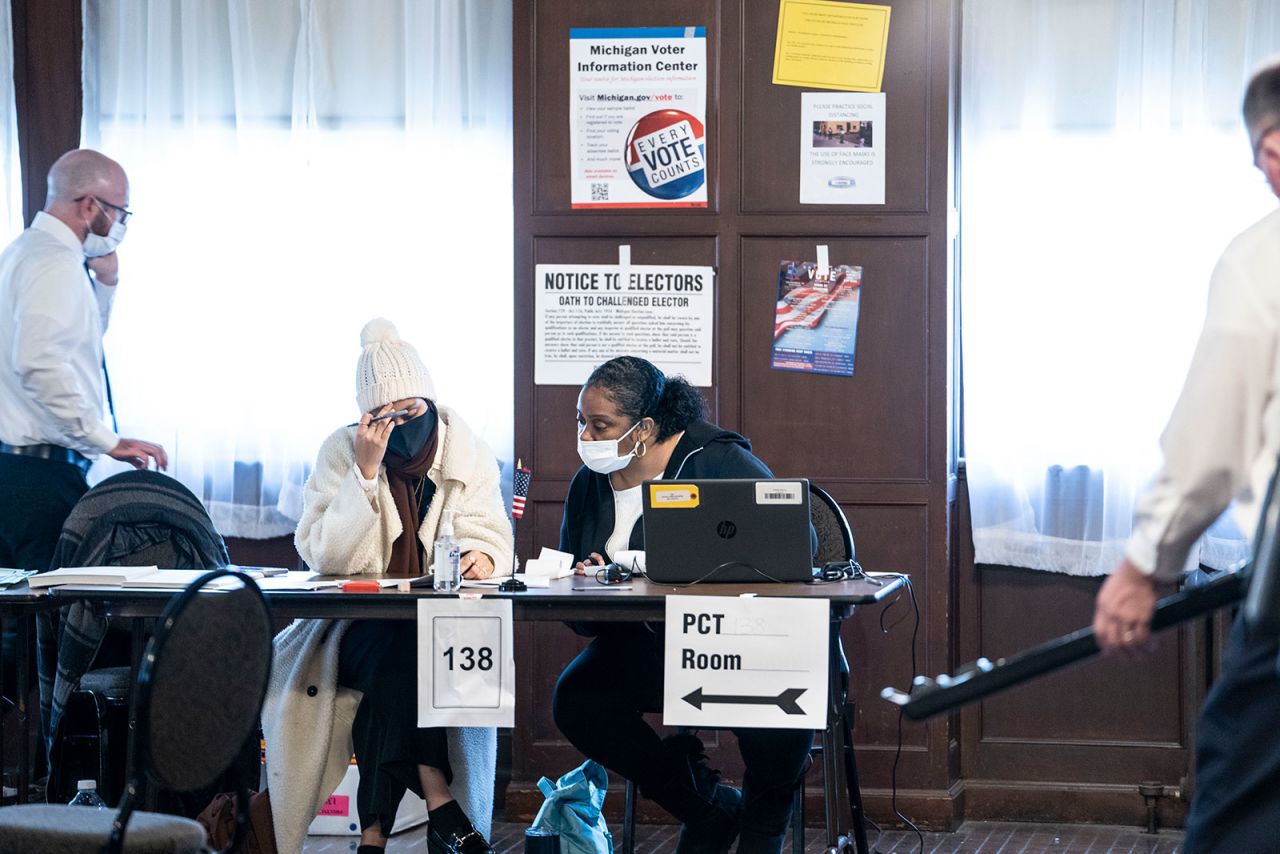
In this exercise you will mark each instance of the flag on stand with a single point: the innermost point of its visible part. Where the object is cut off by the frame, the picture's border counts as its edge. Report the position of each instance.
(519, 489)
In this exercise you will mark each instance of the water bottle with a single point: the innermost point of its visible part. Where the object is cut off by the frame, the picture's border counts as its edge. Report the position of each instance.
(446, 556)
(87, 795)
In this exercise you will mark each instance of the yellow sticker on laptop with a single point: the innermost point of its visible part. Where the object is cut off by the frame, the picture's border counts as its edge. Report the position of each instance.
(672, 496)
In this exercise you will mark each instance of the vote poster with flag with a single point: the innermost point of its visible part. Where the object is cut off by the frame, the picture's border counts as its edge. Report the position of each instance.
(637, 117)
(746, 661)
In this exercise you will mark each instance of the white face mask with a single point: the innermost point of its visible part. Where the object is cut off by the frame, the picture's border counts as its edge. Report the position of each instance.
(602, 456)
(96, 245)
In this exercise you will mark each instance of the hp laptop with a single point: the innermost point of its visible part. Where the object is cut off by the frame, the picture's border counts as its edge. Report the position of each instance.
(727, 531)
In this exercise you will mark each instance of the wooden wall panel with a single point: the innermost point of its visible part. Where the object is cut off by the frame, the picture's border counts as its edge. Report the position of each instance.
(873, 425)
(549, 116)
(771, 115)
(46, 82)
(1074, 745)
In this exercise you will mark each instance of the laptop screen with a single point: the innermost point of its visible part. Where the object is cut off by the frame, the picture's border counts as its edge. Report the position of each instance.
(732, 530)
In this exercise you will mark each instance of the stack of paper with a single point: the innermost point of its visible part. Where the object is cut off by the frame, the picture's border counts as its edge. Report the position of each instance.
(550, 564)
(102, 576)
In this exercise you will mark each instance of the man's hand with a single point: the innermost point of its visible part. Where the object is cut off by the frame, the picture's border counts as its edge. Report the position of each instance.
(139, 454)
(106, 269)
(1122, 618)
(371, 442)
(476, 564)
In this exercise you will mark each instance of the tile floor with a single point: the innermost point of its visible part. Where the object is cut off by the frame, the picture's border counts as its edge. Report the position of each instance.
(972, 838)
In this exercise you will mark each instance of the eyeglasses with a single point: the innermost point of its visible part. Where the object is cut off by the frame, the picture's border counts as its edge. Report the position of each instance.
(125, 213)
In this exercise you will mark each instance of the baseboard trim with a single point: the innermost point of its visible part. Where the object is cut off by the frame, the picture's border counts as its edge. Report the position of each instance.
(1069, 803)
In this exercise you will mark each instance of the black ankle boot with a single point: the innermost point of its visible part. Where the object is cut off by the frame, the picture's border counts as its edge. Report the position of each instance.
(449, 831)
(692, 793)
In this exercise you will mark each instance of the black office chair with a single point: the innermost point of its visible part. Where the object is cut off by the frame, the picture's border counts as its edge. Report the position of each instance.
(136, 518)
(199, 695)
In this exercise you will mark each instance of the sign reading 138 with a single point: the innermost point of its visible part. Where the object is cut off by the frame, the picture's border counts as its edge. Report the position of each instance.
(465, 663)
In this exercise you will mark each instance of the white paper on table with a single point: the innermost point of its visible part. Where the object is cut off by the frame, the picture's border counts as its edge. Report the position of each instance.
(550, 563)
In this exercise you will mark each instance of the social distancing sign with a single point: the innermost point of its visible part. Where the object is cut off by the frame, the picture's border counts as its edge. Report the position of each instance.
(466, 664)
(746, 661)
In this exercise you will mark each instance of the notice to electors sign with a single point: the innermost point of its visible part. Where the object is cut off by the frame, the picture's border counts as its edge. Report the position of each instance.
(588, 314)
(746, 661)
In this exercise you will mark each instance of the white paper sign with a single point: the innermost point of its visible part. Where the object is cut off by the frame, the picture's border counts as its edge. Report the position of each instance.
(466, 667)
(746, 661)
(842, 145)
(637, 108)
(587, 314)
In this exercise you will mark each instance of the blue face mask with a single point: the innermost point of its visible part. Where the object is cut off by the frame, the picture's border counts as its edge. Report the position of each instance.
(408, 439)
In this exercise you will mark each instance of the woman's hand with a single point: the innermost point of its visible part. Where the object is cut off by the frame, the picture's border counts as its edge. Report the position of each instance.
(371, 442)
(476, 565)
(592, 563)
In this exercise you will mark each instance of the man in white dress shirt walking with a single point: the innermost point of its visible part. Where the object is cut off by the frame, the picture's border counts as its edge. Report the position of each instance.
(57, 282)
(1221, 444)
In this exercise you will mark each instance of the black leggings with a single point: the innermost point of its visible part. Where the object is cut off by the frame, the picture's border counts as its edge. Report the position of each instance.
(604, 692)
(380, 658)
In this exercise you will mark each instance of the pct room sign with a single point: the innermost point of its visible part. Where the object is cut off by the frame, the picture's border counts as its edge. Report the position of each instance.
(746, 662)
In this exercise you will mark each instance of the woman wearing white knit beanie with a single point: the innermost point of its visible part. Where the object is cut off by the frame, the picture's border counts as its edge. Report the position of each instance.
(373, 506)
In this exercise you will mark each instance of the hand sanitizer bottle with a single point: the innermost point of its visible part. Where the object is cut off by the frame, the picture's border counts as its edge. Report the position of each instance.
(446, 558)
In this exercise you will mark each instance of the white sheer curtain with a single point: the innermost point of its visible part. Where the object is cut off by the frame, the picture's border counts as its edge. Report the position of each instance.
(1103, 169)
(10, 168)
(299, 167)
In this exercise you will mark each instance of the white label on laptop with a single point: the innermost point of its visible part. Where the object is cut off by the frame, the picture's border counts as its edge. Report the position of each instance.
(757, 662)
(779, 492)
(466, 664)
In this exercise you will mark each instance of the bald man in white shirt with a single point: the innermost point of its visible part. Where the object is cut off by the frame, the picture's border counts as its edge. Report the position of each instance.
(53, 313)
(1221, 445)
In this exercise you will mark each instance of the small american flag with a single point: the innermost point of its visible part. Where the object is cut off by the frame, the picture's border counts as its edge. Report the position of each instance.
(519, 490)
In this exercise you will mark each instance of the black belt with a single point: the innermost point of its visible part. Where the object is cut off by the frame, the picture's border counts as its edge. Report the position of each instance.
(55, 453)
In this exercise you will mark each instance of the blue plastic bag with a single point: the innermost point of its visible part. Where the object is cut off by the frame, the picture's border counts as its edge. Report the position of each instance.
(573, 807)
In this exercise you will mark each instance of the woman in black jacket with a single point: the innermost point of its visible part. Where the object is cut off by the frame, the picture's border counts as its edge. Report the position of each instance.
(634, 424)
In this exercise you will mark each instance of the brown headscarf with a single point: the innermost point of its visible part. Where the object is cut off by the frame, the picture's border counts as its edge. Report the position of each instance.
(407, 477)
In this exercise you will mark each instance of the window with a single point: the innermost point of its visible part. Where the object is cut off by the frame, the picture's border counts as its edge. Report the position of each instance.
(297, 169)
(1103, 167)
(10, 168)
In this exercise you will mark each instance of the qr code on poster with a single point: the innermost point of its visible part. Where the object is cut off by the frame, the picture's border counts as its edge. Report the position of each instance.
(599, 192)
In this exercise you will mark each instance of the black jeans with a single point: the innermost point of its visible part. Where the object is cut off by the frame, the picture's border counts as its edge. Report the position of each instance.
(380, 658)
(1236, 807)
(603, 693)
(36, 496)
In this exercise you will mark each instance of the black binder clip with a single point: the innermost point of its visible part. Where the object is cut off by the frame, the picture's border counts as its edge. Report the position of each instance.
(513, 585)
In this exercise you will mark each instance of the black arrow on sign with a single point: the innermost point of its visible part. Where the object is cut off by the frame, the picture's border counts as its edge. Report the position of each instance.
(786, 701)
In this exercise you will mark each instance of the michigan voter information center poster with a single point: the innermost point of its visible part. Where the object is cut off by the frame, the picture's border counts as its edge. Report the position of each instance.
(637, 114)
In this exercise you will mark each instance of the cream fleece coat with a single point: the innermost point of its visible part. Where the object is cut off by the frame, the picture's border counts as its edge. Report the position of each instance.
(306, 719)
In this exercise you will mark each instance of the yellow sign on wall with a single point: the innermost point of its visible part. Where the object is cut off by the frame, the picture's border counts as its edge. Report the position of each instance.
(827, 45)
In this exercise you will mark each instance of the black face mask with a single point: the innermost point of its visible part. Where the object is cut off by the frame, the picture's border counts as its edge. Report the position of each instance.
(409, 438)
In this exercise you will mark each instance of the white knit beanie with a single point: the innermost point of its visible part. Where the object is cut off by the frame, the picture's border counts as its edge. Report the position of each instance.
(389, 369)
